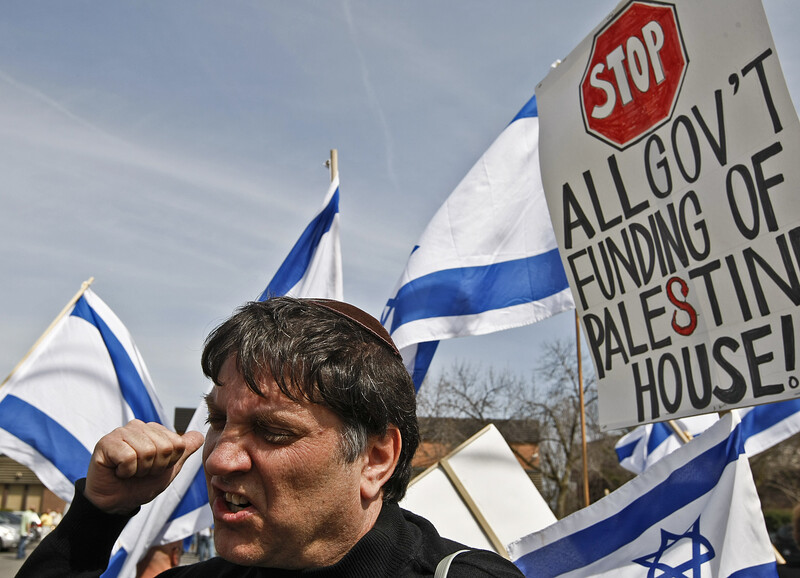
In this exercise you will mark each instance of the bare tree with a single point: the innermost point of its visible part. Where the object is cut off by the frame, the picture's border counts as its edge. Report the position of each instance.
(776, 472)
(465, 399)
(467, 392)
(557, 408)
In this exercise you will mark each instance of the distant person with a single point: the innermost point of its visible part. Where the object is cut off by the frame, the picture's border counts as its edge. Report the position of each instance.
(312, 429)
(47, 523)
(159, 558)
(204, 544)
(28, 524)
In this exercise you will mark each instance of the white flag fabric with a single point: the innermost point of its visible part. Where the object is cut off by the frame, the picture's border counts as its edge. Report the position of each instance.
(763, 426)
(313, 268)
(84, 379)
(694, 513)
(488, 260)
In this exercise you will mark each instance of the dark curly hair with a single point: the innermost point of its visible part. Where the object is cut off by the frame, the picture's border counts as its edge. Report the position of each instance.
(329, 353)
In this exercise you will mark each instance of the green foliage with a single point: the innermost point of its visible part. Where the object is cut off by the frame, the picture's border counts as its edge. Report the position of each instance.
(777, 518)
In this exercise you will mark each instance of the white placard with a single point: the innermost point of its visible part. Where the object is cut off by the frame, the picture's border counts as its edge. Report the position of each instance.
(670, 155)
(496, 484)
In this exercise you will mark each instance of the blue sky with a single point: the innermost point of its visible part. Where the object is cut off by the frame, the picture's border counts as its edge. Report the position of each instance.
(174, 151)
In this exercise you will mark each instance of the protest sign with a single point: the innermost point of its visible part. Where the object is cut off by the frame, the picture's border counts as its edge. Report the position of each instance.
(482, 507)
(669, 151)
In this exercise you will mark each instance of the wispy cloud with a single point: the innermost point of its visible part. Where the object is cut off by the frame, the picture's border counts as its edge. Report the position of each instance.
(82, 138)
(52, 103)
(372, 97)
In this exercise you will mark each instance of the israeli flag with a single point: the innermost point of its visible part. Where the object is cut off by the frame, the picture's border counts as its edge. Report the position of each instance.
(313, 268)
(763, 426)
(488, 260)
(648, 443)
(694, 513)
(84, 379)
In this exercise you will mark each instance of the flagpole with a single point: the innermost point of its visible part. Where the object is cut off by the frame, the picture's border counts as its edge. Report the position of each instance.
(684, 436)
(81, 291)
(333, 164)
(583, 411)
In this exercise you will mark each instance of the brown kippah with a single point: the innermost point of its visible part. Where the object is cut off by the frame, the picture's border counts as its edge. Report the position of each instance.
(360, 317)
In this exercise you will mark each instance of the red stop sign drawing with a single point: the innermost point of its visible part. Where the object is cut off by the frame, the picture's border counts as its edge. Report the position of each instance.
(635, 72)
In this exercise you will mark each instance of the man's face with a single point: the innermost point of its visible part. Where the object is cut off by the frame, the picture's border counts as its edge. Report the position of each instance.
(279, 491)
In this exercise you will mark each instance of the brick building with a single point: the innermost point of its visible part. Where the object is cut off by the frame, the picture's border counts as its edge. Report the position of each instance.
(21, 489)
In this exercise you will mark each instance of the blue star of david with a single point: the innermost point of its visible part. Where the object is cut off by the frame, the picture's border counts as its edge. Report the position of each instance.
(702, 552)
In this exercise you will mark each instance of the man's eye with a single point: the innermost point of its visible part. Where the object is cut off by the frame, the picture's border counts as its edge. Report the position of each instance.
(275, 436)
(215, 422)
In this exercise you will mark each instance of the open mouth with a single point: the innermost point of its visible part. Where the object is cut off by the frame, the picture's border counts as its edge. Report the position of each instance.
(236, 502)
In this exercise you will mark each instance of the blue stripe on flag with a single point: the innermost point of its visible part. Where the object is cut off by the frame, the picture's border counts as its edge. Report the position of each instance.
(530, 110)
(626, 451)
(195, 497)
(478, 289)
(763, 417)
(659, 433)
(130, 382)
(422, 361)
(115, 564)
(682, 487)
(40, 431)
(296, 263)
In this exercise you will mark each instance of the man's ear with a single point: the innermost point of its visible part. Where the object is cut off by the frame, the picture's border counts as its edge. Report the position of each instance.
(380, 460)
(175, 556)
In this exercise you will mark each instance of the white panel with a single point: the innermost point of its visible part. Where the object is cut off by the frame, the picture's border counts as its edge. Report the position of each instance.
(499, 486)
(434, 497)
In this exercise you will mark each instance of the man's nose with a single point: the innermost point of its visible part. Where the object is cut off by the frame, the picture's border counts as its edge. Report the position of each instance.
(225, 453)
